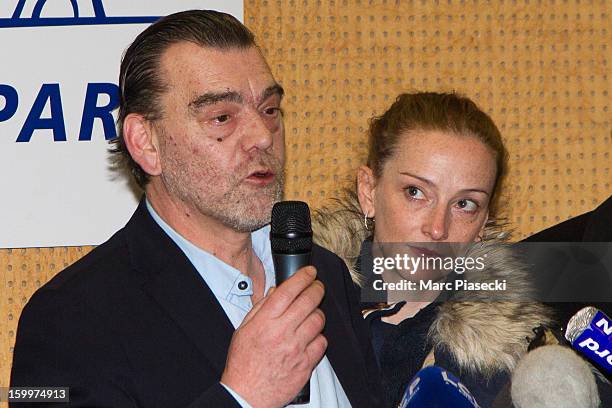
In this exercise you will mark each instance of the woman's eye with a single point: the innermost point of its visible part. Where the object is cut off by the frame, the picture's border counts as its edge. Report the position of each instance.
(467, 205)
(415, 192)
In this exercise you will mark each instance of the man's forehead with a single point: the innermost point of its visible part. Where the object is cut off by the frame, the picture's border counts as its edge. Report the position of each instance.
(205, 69)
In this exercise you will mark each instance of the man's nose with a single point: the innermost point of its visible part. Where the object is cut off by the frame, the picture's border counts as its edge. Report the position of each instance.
(257, 134)
(435, 226)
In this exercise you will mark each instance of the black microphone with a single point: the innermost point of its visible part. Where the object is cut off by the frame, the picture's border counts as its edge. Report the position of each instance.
(291, 241)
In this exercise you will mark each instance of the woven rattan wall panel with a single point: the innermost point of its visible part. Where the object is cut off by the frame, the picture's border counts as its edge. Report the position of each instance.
(539, 67)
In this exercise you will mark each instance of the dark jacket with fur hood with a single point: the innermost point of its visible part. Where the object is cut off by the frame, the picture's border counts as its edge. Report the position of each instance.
(477, 339)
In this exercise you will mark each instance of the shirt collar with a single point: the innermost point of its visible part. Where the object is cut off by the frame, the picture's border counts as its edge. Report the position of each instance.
(224, 280)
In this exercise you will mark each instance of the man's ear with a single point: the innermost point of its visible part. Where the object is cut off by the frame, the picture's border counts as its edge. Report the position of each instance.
(366, 186)
(141, 141)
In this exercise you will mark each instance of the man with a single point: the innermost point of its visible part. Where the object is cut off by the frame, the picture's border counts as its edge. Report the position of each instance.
(162, 314)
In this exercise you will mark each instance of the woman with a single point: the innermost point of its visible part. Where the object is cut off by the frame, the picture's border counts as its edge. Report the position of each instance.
(433, 174)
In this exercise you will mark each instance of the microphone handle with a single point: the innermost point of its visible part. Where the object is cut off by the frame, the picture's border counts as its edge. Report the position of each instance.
(285, 265)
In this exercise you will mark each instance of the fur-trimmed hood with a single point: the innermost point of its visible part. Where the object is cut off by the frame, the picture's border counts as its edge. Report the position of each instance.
(488, 335)
(484, 336)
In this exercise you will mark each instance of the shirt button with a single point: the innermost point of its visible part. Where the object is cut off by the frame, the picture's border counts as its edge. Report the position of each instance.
(242, 285)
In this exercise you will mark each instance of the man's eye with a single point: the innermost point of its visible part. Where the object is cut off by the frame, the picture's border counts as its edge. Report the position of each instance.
(222, 118)
(272, 111)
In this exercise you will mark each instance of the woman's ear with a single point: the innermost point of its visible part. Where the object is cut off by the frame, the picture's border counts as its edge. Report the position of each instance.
(141, 141)
(366, 186)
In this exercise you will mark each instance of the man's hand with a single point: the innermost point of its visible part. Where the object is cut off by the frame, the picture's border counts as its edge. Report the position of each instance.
(279, 343)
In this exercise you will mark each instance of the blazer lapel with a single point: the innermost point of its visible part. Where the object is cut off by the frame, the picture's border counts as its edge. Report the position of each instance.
(178, 288)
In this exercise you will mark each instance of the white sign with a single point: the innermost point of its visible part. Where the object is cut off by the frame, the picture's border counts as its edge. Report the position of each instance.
(58, 74)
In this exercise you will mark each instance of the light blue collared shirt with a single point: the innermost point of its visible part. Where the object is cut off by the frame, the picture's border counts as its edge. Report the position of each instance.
(233, 290)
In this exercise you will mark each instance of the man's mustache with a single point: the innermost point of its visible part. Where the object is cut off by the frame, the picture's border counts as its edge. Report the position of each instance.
(267, 161)
(263, 161)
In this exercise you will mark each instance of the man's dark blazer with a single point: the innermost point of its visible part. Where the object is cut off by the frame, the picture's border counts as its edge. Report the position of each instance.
(594, 226)
(134, 324)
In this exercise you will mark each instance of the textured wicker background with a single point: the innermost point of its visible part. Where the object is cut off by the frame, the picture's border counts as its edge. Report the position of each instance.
(539, 67)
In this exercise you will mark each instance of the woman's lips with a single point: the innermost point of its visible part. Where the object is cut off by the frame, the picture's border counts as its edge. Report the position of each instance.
(426, 252)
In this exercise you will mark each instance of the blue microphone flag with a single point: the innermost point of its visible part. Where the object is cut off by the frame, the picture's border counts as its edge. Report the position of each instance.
(434, 387)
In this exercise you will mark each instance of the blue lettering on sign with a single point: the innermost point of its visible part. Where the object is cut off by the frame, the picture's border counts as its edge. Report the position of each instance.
(50, 93)
(11, 101)
(92, 111)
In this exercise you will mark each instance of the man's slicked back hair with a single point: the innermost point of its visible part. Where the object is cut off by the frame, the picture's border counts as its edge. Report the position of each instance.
(140, 82)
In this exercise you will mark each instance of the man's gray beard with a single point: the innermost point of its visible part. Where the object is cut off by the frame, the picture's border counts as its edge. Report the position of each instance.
(242, 211)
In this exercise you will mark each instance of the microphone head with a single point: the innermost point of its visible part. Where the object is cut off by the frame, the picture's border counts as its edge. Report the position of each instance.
(579, 322)
(553, 376)
(290, 228)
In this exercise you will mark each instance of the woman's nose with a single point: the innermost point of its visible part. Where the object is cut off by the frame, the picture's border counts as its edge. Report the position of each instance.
(435, 226)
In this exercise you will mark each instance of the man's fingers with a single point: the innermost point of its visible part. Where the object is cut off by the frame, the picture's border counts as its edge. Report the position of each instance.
(304, 305)
(316, 350)
(256, 307)
(311, 327)
(285, 294)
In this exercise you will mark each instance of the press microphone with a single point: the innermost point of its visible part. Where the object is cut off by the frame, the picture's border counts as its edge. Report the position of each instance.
(590, 333)
(553, 377)
(291, 241)
(434, 387)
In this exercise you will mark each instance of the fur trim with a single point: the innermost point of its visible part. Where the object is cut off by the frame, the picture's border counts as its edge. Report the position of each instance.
(339, 228)
(483, 336)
